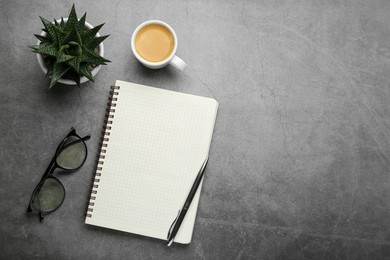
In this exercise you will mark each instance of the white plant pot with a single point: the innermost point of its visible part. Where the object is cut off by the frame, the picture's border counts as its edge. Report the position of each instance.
(68, 81)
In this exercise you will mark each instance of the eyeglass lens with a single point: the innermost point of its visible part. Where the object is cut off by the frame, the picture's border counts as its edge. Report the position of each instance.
(50, 195)
(72, 154)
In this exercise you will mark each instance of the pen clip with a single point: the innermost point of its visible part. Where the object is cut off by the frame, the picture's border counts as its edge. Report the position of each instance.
(170, 240)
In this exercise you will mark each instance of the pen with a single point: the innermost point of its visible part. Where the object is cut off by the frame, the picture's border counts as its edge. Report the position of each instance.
(182, 213)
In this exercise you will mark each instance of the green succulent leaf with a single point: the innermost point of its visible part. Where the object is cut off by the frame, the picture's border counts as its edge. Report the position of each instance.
(72, 19)
(42, 39)
(71, 36)
(62, 23)
(85, 71)
(78, 38)
(89, 35)
(44, 49)
(64, 58)
(74, 64)
(60, 34)
(92, 57)
(81, 23)
(96, 41)
(51, 30)
(59, 70)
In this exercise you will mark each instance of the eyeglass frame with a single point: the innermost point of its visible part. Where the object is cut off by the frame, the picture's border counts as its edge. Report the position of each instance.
(53, 165)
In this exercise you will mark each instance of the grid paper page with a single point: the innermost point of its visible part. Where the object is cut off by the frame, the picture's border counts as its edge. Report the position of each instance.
(158, 141)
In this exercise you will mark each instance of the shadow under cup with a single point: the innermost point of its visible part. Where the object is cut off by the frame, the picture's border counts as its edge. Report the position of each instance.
(50, 192)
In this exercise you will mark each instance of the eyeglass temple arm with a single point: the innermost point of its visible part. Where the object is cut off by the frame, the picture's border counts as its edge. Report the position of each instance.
(85, 138)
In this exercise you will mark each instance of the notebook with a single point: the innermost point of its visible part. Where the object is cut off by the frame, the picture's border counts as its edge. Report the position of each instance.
(154, 143)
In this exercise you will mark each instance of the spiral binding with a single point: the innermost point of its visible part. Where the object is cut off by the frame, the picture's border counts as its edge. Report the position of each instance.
(112, 99)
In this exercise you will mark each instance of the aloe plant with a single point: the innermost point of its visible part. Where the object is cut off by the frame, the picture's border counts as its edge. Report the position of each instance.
(70, 49)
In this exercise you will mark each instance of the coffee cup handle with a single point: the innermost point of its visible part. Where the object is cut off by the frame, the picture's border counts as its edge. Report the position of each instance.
(178, 63)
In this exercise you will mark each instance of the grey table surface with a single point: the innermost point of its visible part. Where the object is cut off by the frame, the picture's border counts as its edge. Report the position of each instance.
(300, 157)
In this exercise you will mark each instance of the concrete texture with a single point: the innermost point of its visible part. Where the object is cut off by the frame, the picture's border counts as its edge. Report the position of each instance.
(300, 158)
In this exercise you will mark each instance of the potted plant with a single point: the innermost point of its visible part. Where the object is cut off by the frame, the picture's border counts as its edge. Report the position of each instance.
(70, 50)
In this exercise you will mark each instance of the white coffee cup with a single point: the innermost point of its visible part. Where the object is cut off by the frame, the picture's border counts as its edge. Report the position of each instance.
(171, 59)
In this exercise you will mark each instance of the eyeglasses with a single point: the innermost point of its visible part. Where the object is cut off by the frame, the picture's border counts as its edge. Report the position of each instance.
(49, 194)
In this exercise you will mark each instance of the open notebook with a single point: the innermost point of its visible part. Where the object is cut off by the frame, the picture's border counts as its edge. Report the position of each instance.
(154, 144)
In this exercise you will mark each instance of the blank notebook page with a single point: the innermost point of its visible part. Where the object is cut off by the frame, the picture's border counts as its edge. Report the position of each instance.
(158, 141)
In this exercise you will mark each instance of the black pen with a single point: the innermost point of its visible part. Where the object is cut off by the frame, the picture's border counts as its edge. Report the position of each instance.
(182, 213)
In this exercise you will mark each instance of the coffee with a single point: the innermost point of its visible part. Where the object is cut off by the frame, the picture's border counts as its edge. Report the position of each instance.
(154, 42)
